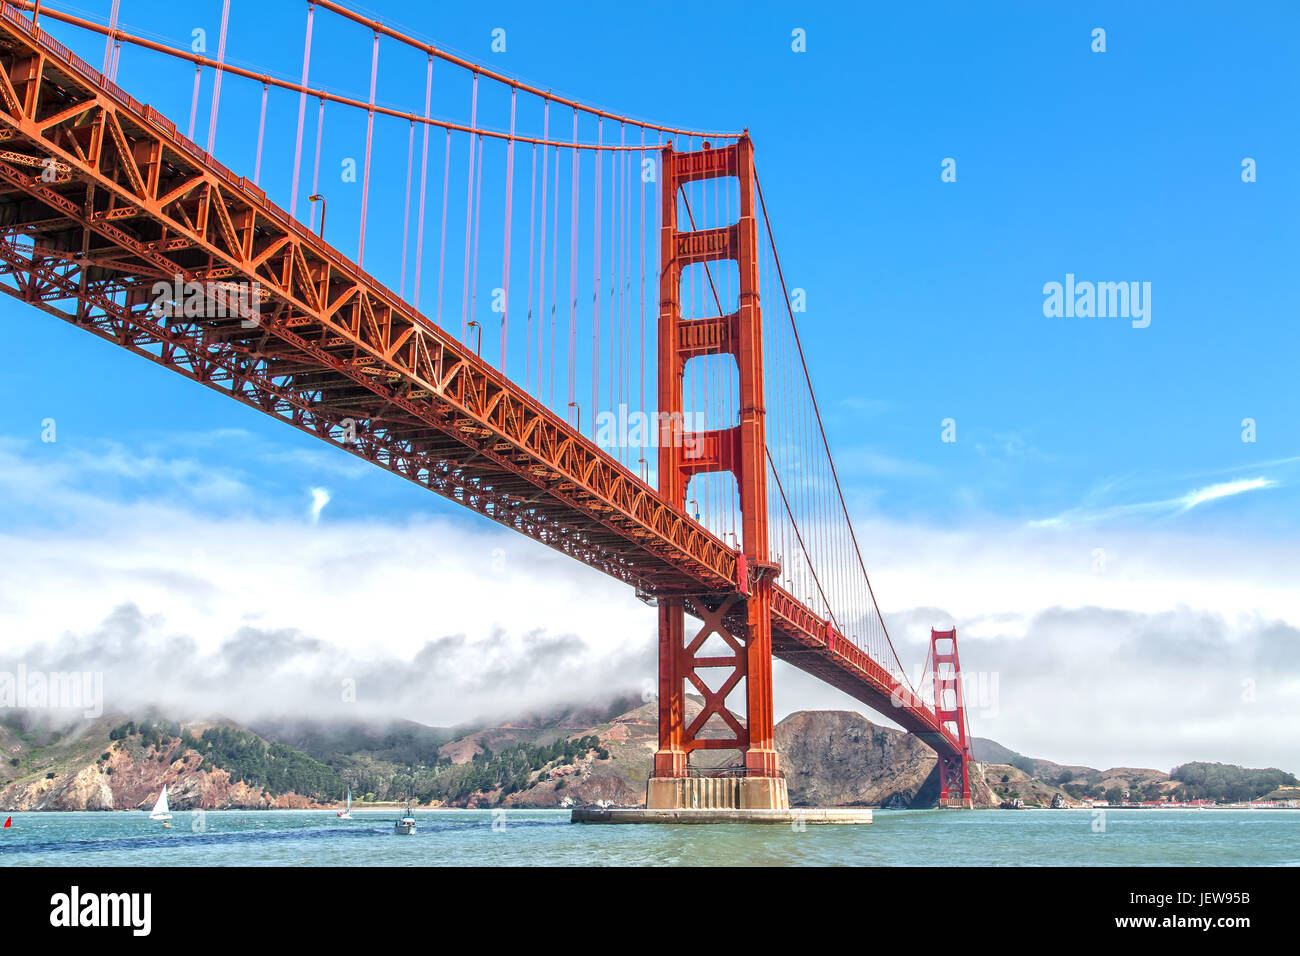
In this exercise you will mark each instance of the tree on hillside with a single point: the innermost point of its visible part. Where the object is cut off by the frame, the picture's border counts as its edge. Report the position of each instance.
(1229, 782)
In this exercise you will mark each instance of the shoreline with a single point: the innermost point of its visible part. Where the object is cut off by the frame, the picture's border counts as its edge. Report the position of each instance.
(432, 809)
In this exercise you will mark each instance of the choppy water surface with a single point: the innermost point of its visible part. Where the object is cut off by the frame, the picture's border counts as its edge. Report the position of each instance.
(545, 837)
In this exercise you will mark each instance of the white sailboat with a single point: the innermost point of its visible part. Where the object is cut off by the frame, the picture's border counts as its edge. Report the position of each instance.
(346, 813)
(160, 809)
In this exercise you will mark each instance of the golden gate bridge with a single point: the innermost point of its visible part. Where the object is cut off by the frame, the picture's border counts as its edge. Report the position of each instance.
(622, 276)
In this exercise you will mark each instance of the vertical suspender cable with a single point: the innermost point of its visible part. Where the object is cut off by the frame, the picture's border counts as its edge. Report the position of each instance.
(656, 225)
(573, 274)
(424, 176)
(302, 110)
(875, 607)
(315, 166)
(370, 130)
(599, 155)
(641, 232)
(614, 255)
(629, 169)
(478, 204)
(108, 38)
(406, 204)
(720, 379)
(690, 299)
(216, 81)
(261, 130)
(623, 395)
(194, 102)
(469, 209)
(510, 199)
(532, 247)
(541, 282)
(726, 381)
(442, 241)
(555, 269)
(625, 288)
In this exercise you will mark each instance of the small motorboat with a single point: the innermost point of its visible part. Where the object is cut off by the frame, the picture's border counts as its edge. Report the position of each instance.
(406, 825)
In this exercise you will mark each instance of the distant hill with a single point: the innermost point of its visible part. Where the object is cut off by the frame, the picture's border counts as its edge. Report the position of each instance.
(1040, 779)
(1218, 781)
(115, 763)
(570, 755)
(990, 751)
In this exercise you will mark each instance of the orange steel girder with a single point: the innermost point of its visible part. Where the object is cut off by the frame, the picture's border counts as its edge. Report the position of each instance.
(747, 629)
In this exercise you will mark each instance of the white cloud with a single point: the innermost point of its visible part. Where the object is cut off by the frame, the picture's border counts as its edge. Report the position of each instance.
(1224, 489)
(1109, 647)
(1177, 505)
(320, 497)
(349, 599)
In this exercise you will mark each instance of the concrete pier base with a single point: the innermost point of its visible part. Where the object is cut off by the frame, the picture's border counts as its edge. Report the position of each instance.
(716, 793)
(791, 818)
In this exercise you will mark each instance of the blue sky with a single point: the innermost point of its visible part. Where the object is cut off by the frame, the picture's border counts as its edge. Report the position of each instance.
(925, 298)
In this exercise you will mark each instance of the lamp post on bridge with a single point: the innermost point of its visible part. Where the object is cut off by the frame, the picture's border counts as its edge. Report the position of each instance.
(318, 197)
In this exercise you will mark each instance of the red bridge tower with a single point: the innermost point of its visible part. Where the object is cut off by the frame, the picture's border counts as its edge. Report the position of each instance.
(742, 617)
(950, 707)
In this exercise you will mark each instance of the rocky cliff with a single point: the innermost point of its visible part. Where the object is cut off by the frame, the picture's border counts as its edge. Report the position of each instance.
(839, 758)
(83, 768)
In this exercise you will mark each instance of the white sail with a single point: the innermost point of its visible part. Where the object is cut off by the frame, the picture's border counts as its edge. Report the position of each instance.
(349, 798)
(160, 809)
